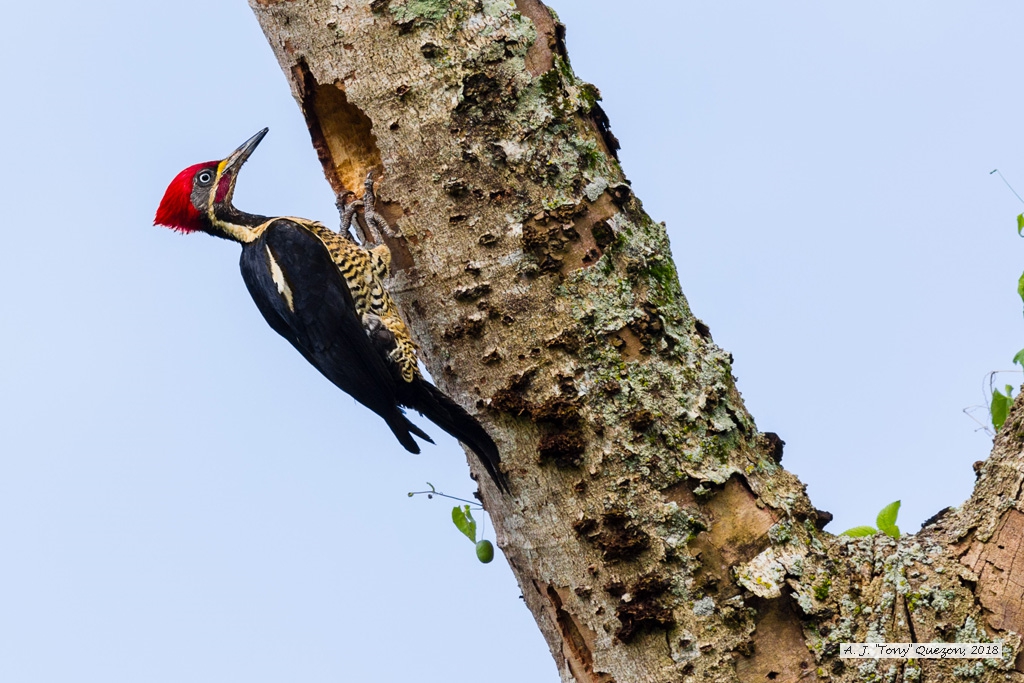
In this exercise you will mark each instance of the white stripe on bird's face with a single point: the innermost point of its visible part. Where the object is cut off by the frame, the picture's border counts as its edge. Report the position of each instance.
(282, 285)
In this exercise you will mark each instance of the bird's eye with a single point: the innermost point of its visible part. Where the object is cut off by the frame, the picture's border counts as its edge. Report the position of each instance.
(204, 177)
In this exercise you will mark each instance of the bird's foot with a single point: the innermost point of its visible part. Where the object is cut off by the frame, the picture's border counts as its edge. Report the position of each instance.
(378, 332)
(374, 221)
(400, 351)
(347, 205)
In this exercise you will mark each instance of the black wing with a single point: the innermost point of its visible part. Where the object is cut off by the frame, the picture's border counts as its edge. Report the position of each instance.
(298, 289)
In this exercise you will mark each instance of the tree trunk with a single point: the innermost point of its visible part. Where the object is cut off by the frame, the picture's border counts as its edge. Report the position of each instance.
(652, 530)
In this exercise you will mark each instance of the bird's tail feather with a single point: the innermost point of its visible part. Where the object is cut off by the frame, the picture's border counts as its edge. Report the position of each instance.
(437, 407)
(404, 429)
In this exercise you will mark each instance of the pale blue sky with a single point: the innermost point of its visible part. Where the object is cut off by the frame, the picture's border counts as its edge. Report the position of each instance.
(182, 498)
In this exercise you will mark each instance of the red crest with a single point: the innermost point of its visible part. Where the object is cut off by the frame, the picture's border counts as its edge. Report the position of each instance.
(176, 210)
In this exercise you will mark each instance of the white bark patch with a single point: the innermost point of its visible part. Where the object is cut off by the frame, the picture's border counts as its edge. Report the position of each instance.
(704, 607)
(595, 189)
(763, 575)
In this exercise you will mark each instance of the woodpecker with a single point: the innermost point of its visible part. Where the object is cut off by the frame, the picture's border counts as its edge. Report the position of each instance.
(325, 293)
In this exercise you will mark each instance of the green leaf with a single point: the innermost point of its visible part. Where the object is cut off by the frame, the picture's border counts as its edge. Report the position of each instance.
(1020, 224)
(1000, 407)
(886, 519)
(892, 532)
(1020, 286)
(464, 521)
(860, 531)
(484, 551)
(1019, 358)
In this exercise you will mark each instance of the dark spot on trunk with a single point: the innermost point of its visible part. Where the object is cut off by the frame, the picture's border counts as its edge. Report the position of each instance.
(640, 420)
(564, 449)
(567, 340)
(773, 446)
(604, 127)
(509, 402)
(467, 326)
(603, 234)
(469, 294)
(619, 539)
(585, 526)
(510, 399)
(485, 100)
(823, 517)
(456, 187)
(646, 609)
(560, 412)
(621, 193)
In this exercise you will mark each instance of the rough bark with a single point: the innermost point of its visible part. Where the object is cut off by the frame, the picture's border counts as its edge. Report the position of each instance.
(652, 529)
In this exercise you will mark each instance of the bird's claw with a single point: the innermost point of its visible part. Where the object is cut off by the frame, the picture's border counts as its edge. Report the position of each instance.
(348, 212)
(374, 220)
(373, 224)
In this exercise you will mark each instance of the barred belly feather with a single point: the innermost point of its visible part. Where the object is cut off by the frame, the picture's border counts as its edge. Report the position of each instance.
(364, 270)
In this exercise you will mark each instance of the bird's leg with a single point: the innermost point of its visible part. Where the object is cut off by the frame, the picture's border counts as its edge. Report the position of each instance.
(375, 223)
(383, 338)
(348, 211)
(379, 334)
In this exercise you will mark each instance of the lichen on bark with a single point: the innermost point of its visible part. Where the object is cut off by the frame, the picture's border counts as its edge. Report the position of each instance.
(651, 527)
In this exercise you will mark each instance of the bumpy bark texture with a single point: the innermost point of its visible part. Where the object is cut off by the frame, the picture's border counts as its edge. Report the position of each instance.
(653, 532)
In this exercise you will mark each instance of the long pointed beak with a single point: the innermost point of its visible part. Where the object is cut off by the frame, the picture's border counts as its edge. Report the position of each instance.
(238, 157)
